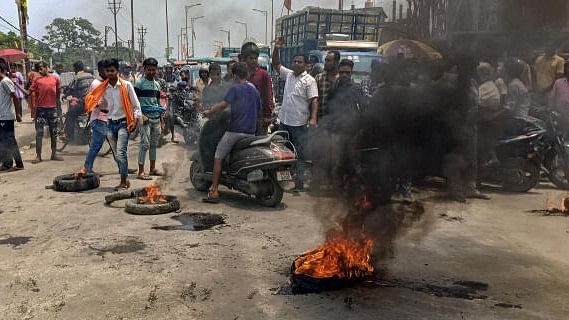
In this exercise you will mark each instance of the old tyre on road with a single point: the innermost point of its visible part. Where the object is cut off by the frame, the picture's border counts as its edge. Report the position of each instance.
(70, 183)
(134, 207)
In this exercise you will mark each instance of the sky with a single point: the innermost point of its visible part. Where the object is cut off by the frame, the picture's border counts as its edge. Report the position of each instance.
(151, 14)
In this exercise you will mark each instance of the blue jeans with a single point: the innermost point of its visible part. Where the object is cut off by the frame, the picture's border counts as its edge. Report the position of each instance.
(99, 133)
(297, 136)
(149, 135)
(118, 136)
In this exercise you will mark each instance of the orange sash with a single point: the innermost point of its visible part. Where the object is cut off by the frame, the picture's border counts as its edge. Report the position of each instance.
(94, 97)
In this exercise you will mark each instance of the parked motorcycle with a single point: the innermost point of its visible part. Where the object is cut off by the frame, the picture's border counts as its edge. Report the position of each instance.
(256, 167)
(518, 153)
(554, 150)
(184, 114)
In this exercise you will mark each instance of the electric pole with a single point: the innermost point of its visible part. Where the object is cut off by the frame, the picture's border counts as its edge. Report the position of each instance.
(266, 14)
(130, 53)
(228, 31)
(131, 48)
(187, 8)
(194, 34)
(167, 36)
(141, 33)
(115, 6)
(107, 28)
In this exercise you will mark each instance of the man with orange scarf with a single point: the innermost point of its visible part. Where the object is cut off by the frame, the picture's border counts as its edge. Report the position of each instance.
(124, 114)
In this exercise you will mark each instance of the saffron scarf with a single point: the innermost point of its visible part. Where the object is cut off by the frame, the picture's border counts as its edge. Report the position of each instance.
(94, 97)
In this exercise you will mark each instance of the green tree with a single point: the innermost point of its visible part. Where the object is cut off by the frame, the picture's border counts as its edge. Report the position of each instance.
(75, 33)
(36, 48)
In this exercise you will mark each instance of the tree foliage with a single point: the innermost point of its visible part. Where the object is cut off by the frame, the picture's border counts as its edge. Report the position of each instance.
(36, 48)
(75, 33)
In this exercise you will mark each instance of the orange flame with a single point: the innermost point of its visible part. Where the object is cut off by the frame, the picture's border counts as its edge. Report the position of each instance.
(563, 206)
(338, 257)
(153, 195)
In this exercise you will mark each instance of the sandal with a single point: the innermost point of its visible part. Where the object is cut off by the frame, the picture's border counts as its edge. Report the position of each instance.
(144, 177)
(211, 199)
(122, 187)
(155, 173)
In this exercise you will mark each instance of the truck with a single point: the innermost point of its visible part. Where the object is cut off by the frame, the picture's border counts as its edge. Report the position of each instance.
(314, 31)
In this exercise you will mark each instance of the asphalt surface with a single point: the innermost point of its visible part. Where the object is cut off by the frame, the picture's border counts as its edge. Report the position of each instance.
(69, 256)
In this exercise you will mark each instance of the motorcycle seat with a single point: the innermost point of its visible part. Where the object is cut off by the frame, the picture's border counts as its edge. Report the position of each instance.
(253, 141)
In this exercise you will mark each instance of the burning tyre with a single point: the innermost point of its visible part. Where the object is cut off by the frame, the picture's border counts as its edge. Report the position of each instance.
(151, 201)
(338, 263)
(170, 204)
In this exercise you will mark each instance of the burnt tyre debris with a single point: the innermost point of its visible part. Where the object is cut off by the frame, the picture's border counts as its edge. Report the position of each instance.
(135, 207)
(70, 183)
(194, 222)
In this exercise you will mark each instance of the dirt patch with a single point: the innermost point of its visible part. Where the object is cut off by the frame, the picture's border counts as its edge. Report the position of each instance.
(15, 241)
(127, 246)
(194, 222)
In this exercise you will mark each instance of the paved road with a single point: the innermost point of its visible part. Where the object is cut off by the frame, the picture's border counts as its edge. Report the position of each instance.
(68, 256)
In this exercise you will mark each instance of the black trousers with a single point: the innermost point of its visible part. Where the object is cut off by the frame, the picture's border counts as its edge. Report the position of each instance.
(46, 116)
(9, 150)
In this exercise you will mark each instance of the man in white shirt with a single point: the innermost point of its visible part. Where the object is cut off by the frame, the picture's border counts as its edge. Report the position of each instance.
(119, 123)
(9, 150)
(299, 108)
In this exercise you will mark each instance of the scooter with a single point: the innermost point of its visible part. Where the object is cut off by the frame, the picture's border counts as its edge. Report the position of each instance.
(257, 166)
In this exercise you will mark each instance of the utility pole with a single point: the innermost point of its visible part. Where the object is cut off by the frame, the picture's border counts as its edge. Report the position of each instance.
(107, 28)
(187, 41)
(228, 31)
(179, 45)
(23, 19)
(115, 6)
(130, 52)
(272, 21)
(246, 29)
(194, 34)
(131, 47)
(141, 33)
(266, 14)
(167, 35)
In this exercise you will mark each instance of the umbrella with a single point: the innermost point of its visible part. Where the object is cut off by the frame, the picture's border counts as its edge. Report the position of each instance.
(12, 55)
(410, 49)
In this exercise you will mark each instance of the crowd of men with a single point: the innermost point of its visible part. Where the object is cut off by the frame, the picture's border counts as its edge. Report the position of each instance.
(120, 101)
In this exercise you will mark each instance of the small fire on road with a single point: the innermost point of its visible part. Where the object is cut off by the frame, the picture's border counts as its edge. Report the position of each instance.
(344, 258)
(153, 195)
(340, 256)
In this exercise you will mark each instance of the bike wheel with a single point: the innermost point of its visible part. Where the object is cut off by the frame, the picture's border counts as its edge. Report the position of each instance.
(557, 176)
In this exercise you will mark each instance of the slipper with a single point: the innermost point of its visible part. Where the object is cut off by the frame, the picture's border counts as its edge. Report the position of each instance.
(122, 187)
(211, 200)
(155, 173)
(143, 177)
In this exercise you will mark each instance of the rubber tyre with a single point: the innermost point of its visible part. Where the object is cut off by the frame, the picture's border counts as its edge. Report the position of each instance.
(558, 181)
(529, 170)
(68, 183)
(275, 195)
(133, 207)
(200, 185)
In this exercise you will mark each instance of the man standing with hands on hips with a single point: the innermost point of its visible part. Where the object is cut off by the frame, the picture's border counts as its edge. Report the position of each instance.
(299, 108)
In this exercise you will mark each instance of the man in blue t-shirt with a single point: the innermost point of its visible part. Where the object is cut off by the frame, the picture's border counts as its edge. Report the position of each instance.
(245, 103)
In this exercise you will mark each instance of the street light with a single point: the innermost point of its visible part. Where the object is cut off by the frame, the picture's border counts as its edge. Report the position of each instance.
(228, 31)
(194, 33)
(246, 30)
(187, 8)
(266, 14)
